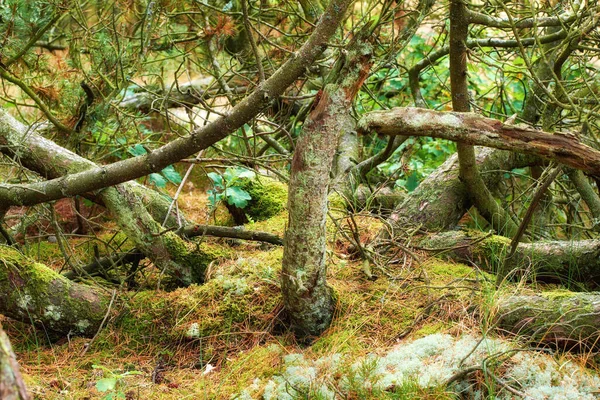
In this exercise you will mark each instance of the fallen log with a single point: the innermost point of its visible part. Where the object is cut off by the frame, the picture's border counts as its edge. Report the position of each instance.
(568, 261)
(33, 293)
(563, 320)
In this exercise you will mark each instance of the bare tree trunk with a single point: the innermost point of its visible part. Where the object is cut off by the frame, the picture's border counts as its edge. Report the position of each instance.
(11, 382)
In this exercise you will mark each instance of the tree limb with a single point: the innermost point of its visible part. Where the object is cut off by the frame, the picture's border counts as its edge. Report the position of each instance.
(99, 177)
(471, 128)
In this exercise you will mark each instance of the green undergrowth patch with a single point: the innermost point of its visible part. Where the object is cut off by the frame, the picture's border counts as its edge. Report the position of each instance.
(233, 323)
(268, 198)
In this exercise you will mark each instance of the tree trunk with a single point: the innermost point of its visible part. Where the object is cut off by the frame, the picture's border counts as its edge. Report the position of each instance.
(11, 382)
(564, 320)
(571, 261)
(33, 293)
(442, 198)
(309, 302)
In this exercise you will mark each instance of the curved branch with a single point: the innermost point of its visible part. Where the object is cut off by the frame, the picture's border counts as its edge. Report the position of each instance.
(205, 136)
(471, 128)
(496, 22)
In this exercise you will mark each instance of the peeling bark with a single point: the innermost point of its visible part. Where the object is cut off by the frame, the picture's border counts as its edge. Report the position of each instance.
(471, 128)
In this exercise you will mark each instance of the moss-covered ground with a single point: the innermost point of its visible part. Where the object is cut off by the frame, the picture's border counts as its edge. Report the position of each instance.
(216, 340)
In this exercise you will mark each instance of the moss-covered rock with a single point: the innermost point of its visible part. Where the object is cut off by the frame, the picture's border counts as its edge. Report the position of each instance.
(269, 198)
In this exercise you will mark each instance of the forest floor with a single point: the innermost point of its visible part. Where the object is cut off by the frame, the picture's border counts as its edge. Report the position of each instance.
(390, 337)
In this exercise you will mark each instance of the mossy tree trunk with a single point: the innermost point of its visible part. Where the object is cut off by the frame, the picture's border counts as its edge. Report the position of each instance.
(569, 261)
(168, 252)
(442, 198)
(33, 293)
(309, 302)
(11, 382)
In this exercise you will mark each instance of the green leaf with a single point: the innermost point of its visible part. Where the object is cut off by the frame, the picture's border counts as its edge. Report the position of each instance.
(237, 196)
(216, 178)
(245, 173)
(171, 174)
(137, 150)
(106, 384)
(412, 182)
(158, 180)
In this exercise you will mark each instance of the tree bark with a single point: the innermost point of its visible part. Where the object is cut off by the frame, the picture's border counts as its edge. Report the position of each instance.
(11, 381)
(563, 320)
(442, 198)
(483, 200)
(471, 128)
(308, 300)
(33, 293)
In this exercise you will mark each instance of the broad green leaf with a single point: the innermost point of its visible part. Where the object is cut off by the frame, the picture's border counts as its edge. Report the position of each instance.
(106, 384)
(216, 178)
(171, 174)
(158, 180)
(412, 182)
(237, 196)
(137, 150)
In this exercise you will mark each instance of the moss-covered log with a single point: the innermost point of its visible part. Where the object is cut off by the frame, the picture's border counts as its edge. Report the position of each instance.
(50, 160)
(569, 261)
(11, 382)
(33, 293)
(560, 319)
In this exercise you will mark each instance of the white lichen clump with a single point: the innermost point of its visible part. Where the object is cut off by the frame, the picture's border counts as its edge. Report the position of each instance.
(193, 331)
(430, 362)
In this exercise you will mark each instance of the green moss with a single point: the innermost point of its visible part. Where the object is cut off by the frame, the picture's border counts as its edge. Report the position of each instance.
(269, 198)
(441, 268)
(429, 329)
(558, 294)
(334, 341)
